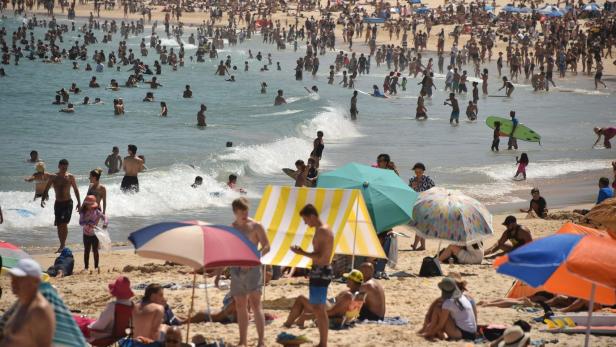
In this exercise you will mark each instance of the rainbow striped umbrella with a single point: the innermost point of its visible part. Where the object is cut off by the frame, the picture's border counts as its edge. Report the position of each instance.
(580, 266)
(196, 244)
(11, 254)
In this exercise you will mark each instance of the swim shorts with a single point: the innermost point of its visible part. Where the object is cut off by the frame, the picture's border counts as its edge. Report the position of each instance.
(455, 115)
(319, 279)
(246, 280)
(130, 184)
(63, 211)
(366, 314)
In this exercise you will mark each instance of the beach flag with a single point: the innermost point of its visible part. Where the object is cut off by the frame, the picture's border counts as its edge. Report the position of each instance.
(344, 210)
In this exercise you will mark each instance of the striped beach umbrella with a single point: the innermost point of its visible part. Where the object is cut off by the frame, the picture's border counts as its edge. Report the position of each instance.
(67, 333)
(11, 254)
(580, 266)
(196, 244)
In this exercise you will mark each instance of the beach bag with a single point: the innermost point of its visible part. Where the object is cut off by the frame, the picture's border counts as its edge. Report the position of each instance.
(104, 240)
(392, 255)
(430, 267)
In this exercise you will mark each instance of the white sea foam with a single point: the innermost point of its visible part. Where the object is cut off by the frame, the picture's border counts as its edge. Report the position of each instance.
(269, 158)
(160, 192)
(170, 42)
(334, 124)
(281, 113)
(545, 169)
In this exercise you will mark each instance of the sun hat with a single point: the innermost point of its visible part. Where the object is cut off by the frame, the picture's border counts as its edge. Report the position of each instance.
(355, 276)
(26, 268)
(514, 336)
(449, 289)
(120, 288)
(90, 200)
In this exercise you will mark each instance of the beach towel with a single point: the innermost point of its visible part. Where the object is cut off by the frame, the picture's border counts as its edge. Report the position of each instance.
(67, 332)
(388, 321)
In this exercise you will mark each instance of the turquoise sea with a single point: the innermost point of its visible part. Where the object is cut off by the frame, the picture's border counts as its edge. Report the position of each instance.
(267, 138)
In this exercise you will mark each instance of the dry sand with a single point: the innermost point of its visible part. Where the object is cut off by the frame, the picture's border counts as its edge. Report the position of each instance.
(406, 297)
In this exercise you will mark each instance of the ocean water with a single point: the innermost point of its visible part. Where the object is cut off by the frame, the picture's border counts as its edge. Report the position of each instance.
(267, 138)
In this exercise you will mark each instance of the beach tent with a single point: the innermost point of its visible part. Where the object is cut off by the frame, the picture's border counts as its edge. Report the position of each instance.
(551, 11)
(523, 290)
(344, 210)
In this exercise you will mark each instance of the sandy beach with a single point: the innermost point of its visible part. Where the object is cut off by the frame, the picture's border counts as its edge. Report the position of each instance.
(407, 297)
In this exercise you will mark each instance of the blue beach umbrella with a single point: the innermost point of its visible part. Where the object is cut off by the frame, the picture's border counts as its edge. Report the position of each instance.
(592, 7)
(551, 11)
(422, 10)
(389, 200)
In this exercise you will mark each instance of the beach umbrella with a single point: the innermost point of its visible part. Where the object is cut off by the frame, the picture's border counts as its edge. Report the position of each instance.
(67, 333)
(510, 9)
(580, 266)
(413, 2)
(422, 10)
(551, 11)
(11, 254)
(196, 244)
(592, 7)
(451, 216)
(388, 198)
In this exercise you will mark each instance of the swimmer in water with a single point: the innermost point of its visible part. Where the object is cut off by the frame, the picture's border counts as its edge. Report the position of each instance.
(187, 92)
(222, 69)
(421, 112)
(163, 109)
(153, 83)
(232, 184)
(312, 90)
(93, 83)
(231, 79)
(97, 101)
(279, 100)
(149, 97)
(113, 85)
(86, 101)
(40, 177)
(198, 182)
(201, 116)
(508, 87)
(376, 92)
(263, 87)
(69, 108)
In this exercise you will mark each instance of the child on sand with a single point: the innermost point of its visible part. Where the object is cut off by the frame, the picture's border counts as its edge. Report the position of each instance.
(496, 137)
(522, 164)
(89, 217)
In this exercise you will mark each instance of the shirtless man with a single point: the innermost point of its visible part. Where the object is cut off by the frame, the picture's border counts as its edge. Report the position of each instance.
(201, 116)
(32, 323)
(279, 100)
(132, 166)
(62, 182)
(516, 234)
(246, 282)
(40, 177)
(321, 272)
(114, 161)
(222, 69)
(149, 313)
(373, 308)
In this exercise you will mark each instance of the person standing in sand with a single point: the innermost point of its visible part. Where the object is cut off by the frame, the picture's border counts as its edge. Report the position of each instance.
(113, 161)
(246, 282)
(321, 272)
(41, 178)
(132, 166)
(62, 182)
(32, 323)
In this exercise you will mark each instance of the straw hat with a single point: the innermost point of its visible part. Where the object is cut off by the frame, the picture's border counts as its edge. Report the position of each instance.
(514, 336)
(605, 214)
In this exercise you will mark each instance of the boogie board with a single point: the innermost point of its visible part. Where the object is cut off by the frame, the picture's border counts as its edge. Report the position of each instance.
(522, 132)
(293, 174)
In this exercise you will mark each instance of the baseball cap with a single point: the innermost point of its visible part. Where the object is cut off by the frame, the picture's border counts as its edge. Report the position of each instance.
(26, 268)
(509, 220)
(355, 276)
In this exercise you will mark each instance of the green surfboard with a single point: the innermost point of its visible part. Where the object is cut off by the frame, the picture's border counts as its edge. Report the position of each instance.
(522, 132)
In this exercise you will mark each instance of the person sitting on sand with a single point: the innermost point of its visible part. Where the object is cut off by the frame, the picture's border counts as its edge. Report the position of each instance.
(302, 309)
(538, 205)
(467, 254)
(516, 234)
(226, 315)
(607, 133)
(453, 315)
(605, 192)
(373, 308)
(120, 290)
(149, 313)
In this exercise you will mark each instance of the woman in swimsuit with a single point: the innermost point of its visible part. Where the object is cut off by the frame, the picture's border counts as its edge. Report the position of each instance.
(97, 189)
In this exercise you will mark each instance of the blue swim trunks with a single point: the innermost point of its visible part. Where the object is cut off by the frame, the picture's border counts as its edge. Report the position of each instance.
(455, 115)
(319, 278)
(318, 295)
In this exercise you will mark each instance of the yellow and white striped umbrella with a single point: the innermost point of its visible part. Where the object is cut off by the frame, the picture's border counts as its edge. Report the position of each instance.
(344, 210)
